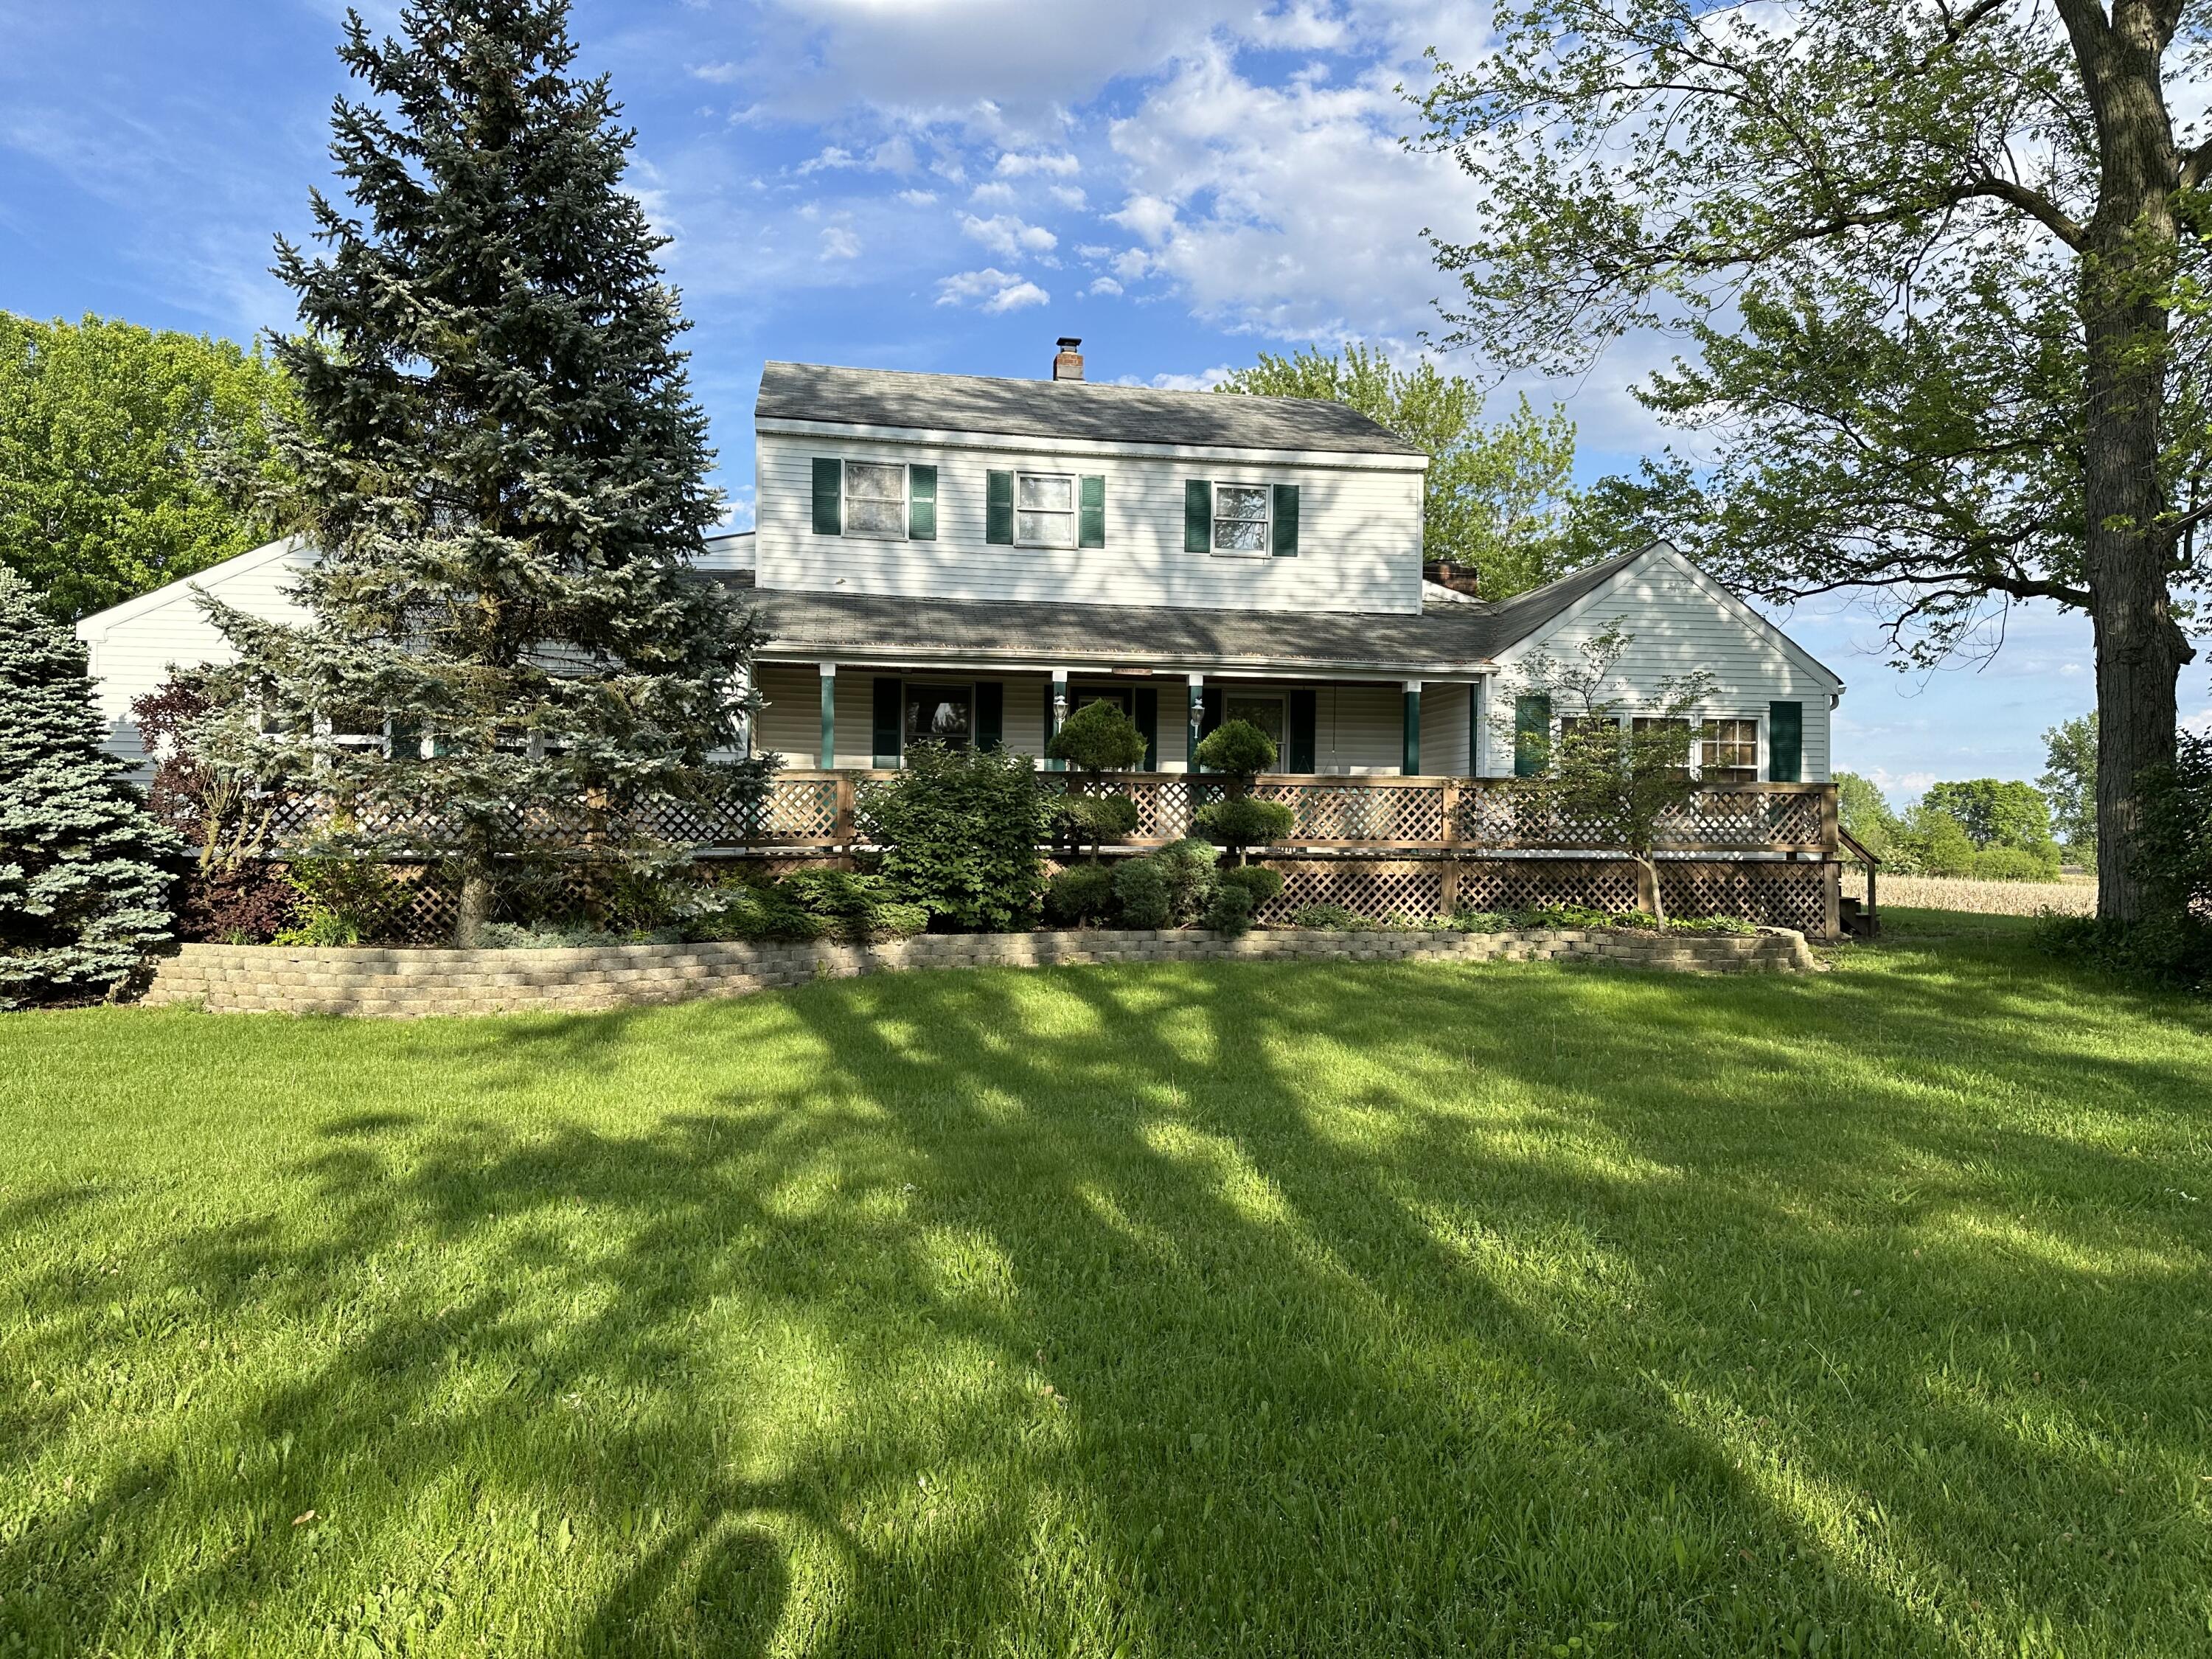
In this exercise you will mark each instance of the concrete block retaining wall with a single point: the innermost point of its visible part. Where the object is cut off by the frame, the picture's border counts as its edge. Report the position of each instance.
(409, 983)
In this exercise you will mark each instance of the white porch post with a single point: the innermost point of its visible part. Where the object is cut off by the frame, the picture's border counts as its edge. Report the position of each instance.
(1056, 715)
(1194, 698)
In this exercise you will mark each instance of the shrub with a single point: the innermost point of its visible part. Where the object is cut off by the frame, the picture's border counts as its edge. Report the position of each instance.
(808, 904)
(2176, 954)
(1142, 893)
(2015, 864)
(959, 830)
(1091, 821)
(1098, 738)
(249, 903)
(1237, 822)
(1937, 844)
(345, 901)
(1080, 898)
(1238, 748)
(2175, 844)
(1187, 865)
(1229, 909)
(1262, 883)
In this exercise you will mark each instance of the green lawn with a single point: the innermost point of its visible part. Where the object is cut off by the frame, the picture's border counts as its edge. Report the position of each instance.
(1197, 1309)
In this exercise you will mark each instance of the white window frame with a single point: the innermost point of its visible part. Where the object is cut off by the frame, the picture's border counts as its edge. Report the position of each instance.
(1266, 547)
(905, 501)
(1074, 509)
(1758, 768)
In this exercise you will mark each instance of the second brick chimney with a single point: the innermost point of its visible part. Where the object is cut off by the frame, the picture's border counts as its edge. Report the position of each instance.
(1068, 365)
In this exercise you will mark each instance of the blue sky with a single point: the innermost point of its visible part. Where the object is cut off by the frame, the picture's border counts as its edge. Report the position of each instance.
(913, 184)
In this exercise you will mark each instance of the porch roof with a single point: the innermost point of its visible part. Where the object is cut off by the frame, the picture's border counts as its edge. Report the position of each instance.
(867, 627)
(1446, 639)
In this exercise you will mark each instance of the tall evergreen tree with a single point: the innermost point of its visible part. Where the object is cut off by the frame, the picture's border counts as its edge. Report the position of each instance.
(84, 873)
(501, 463)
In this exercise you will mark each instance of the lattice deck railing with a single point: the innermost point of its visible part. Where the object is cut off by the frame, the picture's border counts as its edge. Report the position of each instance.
(819, 810)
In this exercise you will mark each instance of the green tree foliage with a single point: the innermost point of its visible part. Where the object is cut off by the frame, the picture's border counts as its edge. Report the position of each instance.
(127, 456)
(1096, 739)
(1940, 270)
(960, 829)
(1616, 772)
(2069, 783)
(1500, 498)
(1865, 813)
(1240, 750)
(501, 465)
(1997, 812)
(1934, 843)
(85, 873)
(2179, 839)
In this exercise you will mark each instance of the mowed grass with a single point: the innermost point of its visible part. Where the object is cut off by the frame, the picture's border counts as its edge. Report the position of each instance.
(1190, 1309)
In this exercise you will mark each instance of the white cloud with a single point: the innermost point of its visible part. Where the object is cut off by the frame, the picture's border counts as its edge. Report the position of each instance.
(1204, 381)
(840, 243)
(1105, 285)
(1005, 233)
(2199, 722)
(834, 156)
(917, 197)
(719, 74)
(1069, 196)
(1061, 163)
(990, 290)
(992, 192)
(1148, 216)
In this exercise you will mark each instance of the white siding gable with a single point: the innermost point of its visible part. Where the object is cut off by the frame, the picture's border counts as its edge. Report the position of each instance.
(1360, 531)
(1680, 621)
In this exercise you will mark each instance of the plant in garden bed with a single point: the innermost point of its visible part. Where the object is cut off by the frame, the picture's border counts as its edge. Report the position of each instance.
(1097, 740)
(959, 831)
(345, 901)
(85, 872)
(231, 892)
(1241, 751)
(809, 904)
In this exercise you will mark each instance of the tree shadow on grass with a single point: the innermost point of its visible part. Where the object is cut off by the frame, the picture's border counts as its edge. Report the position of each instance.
(1245, 1310)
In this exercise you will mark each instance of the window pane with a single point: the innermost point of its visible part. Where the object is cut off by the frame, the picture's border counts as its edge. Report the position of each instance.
(1046, 492)
(872, 481)
(1240, 535)
(1731, 746)
(1241, 502)
(1045, 529)
(1265, 713)
(866, 518)
(941, 713)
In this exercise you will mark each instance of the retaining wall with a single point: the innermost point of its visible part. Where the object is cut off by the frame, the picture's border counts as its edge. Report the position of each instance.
(410, 983)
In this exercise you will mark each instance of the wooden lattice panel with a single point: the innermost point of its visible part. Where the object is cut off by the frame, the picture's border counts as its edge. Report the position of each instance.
(802, 810)
(1504, 885)
(1407, 889)
(1776, 895)
(1351, 810)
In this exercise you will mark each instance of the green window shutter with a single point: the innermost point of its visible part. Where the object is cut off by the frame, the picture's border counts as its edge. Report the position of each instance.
(921, 503)
(990, 714)
(828, 497)
(1532, 734)
(1286, 521)
(1091, 520)
(890, 706)
(1197, 516)
(1785, 743)
(1147, 716)
(1299, 751)
(1209, 721)
(999, 509)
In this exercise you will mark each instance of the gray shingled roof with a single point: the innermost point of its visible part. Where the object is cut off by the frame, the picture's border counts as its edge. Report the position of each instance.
(1066, 409)
(1444, 638)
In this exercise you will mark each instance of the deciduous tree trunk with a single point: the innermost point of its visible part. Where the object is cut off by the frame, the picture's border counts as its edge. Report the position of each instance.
(2127, 273)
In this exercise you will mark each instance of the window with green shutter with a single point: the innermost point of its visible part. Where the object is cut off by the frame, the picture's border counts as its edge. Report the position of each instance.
(921, 503)
(1300, 752)
(1785, 742)
(886, 733)
(1090, 517)
(828, 497)
(1532, 735)
(1286, 521)
(999, 509)
(1197, 516)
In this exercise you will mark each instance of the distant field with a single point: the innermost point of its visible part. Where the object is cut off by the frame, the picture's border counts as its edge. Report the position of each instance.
(1992, 898)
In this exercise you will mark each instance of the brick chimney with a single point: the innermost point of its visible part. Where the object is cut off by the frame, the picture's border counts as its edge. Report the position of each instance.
(1068, 366)
(1460, 578)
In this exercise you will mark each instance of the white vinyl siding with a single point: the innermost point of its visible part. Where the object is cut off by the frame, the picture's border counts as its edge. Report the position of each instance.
(1359, 534)
(1679, 627)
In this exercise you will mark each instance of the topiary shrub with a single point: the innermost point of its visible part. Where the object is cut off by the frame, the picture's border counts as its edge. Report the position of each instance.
(1229, 909)
(1142, 894)
(1188, 867)
(1237, 822)
(1086, 823)
(2015, 864)
(1098, 738)
(85, 873)
(1080, 897)
(1260, 882)
(959, 830)
(1237, 748)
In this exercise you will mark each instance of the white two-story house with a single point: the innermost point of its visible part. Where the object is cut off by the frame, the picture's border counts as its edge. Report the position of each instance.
(969, 560)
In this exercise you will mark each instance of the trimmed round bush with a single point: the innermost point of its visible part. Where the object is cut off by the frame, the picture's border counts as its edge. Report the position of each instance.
(1229, 909)
(1238, 748)
(1080, 898)
(1262, 883)
(1187, 865)
(1089, 820)
(1098, 738)
(1241, 821)
(1142, 893)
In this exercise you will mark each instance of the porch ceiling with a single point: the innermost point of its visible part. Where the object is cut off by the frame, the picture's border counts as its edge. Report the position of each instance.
(811, 626)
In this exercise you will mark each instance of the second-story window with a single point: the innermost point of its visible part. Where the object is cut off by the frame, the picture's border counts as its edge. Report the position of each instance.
(1240, 518)
(1045, 509)
(875, 500)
